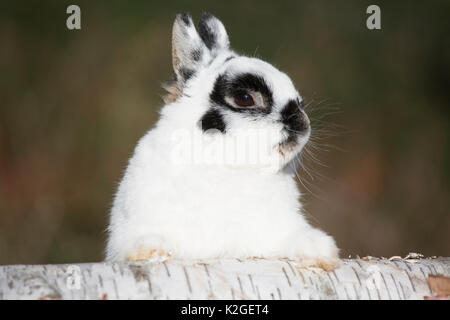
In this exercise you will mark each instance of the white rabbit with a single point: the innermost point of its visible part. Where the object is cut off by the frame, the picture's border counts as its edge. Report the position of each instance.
(215, 177)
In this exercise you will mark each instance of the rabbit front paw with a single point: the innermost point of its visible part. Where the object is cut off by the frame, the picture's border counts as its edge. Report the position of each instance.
(144, 254)
(325, 263)
(317, 250)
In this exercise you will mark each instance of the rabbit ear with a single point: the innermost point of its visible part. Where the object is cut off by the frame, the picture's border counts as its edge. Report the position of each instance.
(213, 33)
(188, 49)
(191, 50)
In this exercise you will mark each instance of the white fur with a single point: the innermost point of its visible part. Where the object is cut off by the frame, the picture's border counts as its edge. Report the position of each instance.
(197, 210)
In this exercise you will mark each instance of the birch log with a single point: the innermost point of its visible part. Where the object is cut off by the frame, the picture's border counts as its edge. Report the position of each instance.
(374, 278)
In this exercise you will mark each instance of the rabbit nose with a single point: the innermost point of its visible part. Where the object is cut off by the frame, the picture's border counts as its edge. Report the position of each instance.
(293, 118)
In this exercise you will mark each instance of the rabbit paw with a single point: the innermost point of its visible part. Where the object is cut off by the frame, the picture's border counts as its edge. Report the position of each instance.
(325, 263)
(317, 249)
(144, 254)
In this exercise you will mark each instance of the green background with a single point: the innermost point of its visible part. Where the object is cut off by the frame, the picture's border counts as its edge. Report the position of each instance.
(74, 103)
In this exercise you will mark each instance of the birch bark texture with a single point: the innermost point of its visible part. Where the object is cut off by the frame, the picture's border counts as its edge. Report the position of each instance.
(366, 278)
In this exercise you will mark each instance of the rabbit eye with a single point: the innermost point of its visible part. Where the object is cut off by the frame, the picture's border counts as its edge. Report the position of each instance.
(244, 100)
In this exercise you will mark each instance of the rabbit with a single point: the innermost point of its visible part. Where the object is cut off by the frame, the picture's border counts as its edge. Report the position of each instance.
(175, 202)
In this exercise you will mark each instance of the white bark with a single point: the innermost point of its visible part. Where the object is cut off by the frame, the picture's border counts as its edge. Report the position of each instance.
(223, 279)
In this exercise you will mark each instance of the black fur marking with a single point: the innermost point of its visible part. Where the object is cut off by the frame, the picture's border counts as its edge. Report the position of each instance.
(186, 73)
(213, 119)
(229, 58)
(231, 87)
(186, 19)
(206, 33)
(196, 55)
(293, 118)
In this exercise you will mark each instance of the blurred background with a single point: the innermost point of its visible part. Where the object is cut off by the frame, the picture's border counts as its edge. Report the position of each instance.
(74, 103)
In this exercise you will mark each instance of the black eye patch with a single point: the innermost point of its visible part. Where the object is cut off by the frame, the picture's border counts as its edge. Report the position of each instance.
(233, 86)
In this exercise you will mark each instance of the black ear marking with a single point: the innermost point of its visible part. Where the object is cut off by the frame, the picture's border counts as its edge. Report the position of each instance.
(205, 32)
(212, 119)
(192, 50)
(186, 73)
(229, 58)
(188, 51)
(212, 32)
(196, 54)
(186, 18)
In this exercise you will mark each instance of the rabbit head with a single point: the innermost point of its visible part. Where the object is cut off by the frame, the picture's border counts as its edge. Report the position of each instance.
(226, 96)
